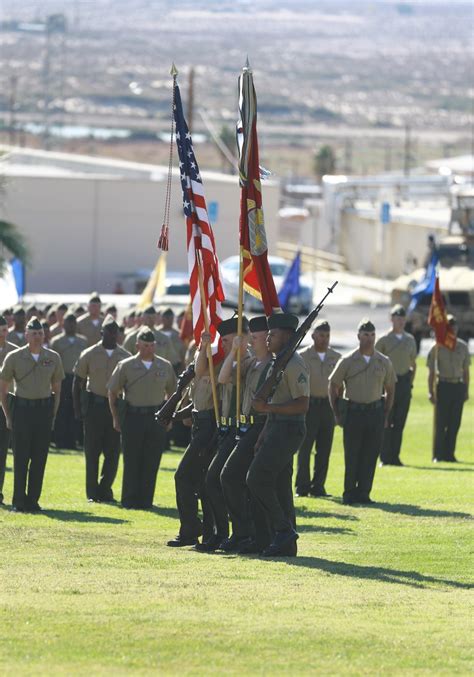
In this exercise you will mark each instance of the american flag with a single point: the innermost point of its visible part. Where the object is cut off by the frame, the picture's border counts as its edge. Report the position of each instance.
(200, 238)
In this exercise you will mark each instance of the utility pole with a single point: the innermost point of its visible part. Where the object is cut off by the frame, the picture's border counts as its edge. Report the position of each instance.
(407, 151)
(191, 99)
(388, 156)
(348, 156)
(46, 87)
(12, 108)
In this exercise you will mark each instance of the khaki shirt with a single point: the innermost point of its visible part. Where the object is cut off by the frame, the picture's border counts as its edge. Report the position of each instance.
(319, 370)
(294, 383)
(7, 348)
(87, 328)
(451, 363)
(96, 366)
(190, 353)
(17, 339)
(69, 348)
(252, 370)
(32, 379)
(363, 383)
(163, 347)
(143, 387)
(402, 352)
(201, 393)
(55, 330)
(178, 343)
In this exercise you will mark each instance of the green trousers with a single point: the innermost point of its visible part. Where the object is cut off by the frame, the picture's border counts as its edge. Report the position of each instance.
(143, 440)
(31, 437)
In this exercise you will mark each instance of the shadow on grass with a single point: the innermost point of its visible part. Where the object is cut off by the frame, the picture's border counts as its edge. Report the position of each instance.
(452, 468)
(66, 452)
(383, 574)
(408, 509)
(155, 509)
(77, 516)
(301, 512)
(416, 510)
(324, 530)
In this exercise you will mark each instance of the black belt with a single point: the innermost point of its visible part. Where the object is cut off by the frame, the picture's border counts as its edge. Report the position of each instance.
(98, 399)
(24, 402)
(360, 406)
(205, 415)
(283, 417)
(227, 421)
(250, 419)
(142, 410)
(451, 380)
(318, 400)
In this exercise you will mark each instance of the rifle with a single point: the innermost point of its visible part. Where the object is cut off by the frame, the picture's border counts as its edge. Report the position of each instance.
(165, 414)
(267, 390)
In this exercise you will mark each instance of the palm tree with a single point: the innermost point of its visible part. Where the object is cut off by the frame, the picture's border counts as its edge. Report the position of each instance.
(12, 242)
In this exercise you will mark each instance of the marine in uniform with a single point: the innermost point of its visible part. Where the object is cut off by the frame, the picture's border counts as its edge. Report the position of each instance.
(191, 472)
(17, 334)
(90, 324)
(91, 375)
(5, 348)
(226, 438)
(362, 377)
(269, 478)
(448, 386)
(58, 327)
(69, 345)
(145, 379)
(320, 361)
(400, 347)
(167, 321)
(163, 346)
(36, 373)
(249, 529)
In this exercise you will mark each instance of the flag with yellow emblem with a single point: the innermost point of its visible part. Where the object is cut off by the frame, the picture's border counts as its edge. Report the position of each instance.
(257, 276)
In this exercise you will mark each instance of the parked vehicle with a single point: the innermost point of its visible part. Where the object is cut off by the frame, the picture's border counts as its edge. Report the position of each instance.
(300, 304)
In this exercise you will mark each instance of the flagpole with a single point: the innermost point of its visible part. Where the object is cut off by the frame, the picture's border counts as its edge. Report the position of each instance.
(240, 312)
(435, 403)
(212, 374)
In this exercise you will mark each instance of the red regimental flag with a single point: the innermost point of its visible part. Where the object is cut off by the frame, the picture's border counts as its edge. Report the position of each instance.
(438, 320)
(258, 279)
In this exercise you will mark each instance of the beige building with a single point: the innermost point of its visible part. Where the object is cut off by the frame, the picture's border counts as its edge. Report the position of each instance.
(89, 220)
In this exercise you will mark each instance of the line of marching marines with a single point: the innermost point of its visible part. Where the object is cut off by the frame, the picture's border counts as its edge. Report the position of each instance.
(82, 379)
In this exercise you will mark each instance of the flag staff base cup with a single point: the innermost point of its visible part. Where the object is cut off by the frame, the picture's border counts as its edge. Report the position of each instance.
(240, 312)
(212, 374)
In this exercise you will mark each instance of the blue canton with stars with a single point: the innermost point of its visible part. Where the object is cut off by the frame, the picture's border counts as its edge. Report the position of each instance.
(188, 165)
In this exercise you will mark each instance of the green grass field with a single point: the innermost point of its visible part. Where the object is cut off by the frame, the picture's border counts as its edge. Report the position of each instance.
(376, 590)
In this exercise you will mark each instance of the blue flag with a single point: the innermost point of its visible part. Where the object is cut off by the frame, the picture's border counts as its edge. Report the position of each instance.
(291, 284)
(427, 284)
(18, 270)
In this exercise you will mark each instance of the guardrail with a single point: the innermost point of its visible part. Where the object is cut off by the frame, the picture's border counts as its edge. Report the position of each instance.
(311, 259)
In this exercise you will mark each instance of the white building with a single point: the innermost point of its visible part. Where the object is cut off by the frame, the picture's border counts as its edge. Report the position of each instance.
(87, 220)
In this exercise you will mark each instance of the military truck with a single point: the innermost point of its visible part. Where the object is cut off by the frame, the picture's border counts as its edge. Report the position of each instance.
(456, 272)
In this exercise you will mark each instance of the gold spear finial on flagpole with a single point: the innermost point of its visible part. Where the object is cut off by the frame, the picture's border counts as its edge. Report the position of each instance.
(174, 70)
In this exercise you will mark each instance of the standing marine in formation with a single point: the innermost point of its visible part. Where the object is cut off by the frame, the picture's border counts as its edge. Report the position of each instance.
(36, 374)
(400, 347)
(320, 360)
(356, 390)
